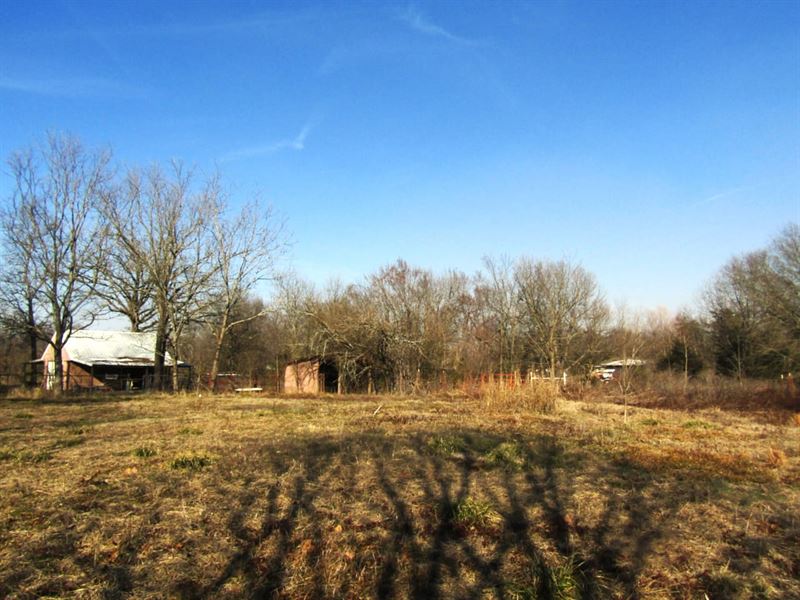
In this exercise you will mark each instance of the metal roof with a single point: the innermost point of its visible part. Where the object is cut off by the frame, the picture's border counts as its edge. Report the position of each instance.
(628, 362)
(117, 348)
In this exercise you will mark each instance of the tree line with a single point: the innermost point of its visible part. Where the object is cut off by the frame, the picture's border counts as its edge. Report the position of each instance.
(405, 328)
(161, 247)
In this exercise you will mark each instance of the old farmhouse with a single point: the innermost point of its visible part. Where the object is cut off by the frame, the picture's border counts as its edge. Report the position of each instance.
(108, 360)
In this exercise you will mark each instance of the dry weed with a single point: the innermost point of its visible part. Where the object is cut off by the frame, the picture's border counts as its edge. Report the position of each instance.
(539, 397)
(776, 458)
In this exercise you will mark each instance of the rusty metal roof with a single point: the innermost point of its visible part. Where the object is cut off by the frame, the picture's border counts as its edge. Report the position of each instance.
(113, 348)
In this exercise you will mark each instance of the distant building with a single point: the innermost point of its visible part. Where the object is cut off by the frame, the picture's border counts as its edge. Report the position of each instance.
(311, 376)
(108, 360)
(612, 369)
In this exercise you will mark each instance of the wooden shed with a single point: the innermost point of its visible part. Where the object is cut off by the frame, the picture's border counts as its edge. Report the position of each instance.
(311, 376)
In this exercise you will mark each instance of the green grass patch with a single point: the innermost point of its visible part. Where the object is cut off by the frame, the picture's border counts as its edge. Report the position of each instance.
(67, 443)
(507, 455)
(190, 431)
(37, 457)
(559, 582)
(25, 455)
(144, 451)
(697, 424)
(23, 415)
(191, 462)
(650, 422)
(8, 454)
(563, 581)
(445, 445)
(471, 512)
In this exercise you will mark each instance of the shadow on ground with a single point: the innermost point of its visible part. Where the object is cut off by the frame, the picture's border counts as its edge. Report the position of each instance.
(458, 513)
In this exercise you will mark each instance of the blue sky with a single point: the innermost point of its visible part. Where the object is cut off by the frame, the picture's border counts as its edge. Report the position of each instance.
(649, 142)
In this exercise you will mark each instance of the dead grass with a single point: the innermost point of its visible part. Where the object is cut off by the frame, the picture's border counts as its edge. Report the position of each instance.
(229, 497)
(761, 399)
(537, 396)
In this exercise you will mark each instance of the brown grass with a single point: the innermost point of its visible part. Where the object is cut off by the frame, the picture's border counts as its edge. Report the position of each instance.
(229, 497)
(765, 400)
(537, 396)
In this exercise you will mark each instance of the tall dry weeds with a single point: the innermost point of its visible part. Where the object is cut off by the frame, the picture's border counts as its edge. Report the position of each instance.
(540, 397)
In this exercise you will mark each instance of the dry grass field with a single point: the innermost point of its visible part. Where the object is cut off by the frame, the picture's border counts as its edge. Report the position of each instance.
(354, 497)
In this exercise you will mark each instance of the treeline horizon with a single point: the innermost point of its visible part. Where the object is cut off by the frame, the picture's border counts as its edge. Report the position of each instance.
(162, 248)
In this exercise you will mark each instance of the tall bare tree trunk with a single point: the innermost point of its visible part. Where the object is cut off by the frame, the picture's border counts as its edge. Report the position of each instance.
(32, 339)
(58, 348)
(160, 354)
(218, 339)
(175, 380)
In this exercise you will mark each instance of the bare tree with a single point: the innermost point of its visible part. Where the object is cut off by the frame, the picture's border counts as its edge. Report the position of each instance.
(170, 246)
(563, 312)
(22, 313)
(402, 296)
(56, 242)
(503, 300)
(754, 304)
(783, 290)
(629, 337)
(126, 286)
(293, 297)
(343, 326)
(246, 248)
(746, 340)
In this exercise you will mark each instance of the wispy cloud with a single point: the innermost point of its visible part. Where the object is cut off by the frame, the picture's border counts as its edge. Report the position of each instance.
(377, 48)
(296, 143)
(720, 196)
(414, 18)
(81, 87)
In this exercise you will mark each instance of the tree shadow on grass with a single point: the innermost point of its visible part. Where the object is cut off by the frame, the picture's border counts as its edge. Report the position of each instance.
(388, 516)
(533, 547)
